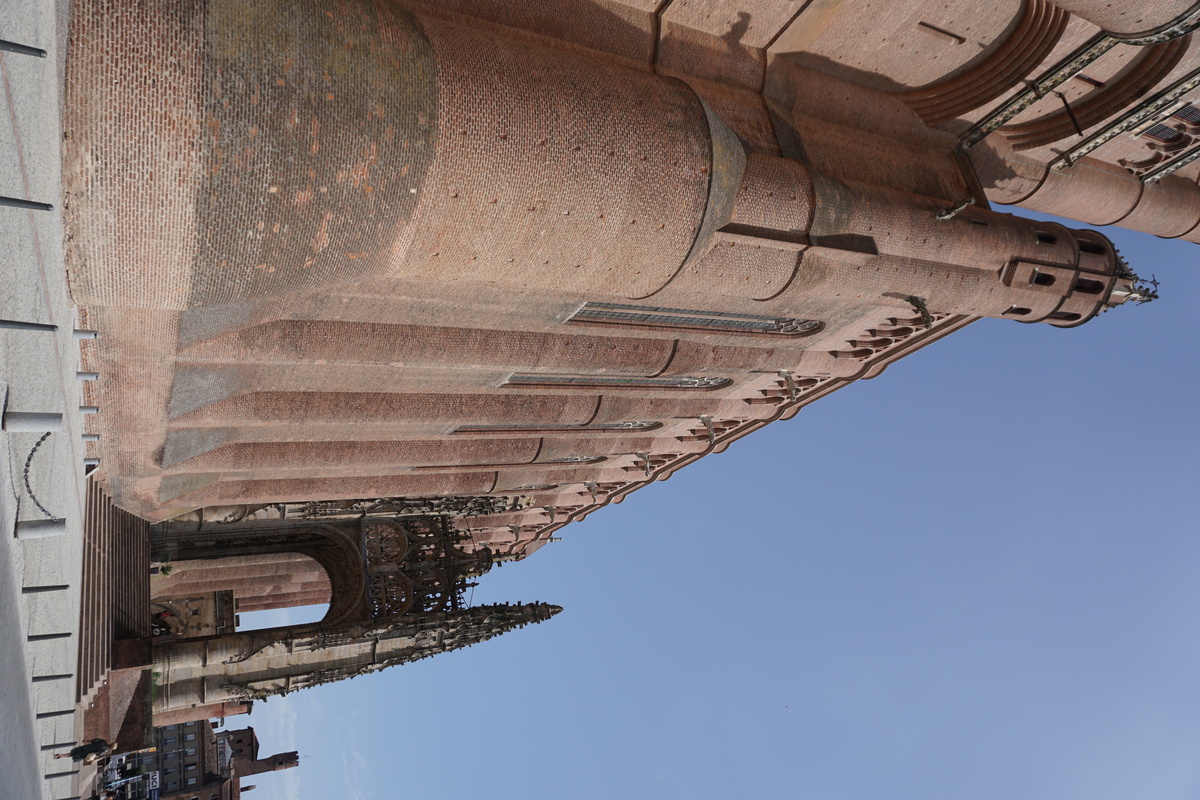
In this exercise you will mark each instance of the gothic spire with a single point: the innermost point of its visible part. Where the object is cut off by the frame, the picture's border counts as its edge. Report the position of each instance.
(346, 651)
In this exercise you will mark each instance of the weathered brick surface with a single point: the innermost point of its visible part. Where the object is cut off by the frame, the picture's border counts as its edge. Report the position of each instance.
(319, 243)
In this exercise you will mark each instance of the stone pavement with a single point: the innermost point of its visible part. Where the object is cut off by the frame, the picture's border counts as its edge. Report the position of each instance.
(39, 577)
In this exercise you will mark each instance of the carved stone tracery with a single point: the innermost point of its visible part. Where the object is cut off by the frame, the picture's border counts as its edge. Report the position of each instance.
(417, 564)
(468, 506)
(398, 587)
(412, 638)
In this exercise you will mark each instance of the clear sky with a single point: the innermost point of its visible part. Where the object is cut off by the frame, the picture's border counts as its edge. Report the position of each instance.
(976, 576)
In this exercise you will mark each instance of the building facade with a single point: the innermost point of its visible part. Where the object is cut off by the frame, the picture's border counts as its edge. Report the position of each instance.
(506, 263)
(191, 761)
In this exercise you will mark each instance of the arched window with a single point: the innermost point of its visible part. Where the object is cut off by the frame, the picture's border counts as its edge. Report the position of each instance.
(710, 321)
(1162, 133)
(617, 382)
(1089, 286)
(599, 427)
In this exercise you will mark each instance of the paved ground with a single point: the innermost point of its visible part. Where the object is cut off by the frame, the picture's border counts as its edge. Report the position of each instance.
(37, 373)
(19, 768)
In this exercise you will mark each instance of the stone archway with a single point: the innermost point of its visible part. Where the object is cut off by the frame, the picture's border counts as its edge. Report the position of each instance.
(334, 546)
(259, 582)
(397, 584)
(378, 567)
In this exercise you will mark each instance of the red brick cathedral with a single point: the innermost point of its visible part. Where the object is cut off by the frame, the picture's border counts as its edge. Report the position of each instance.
(503, 262)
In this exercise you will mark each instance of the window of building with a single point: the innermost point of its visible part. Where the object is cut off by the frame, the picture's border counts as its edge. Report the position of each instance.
(539, 428)
(713, 321)
(191, 768)
(1163, 133)
(191, 751)
(616, 382)
(169, 740)
(170, 770)
(189, 737)
(173, 785)
(192, 781)
(1189, 113)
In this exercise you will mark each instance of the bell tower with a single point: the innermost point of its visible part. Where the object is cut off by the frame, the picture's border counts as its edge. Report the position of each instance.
(243, 746)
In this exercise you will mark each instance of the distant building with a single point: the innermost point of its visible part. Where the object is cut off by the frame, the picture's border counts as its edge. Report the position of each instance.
(191, 761)
(243, 747)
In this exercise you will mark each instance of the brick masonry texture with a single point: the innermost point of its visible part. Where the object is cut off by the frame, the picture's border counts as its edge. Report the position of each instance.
(319, 242)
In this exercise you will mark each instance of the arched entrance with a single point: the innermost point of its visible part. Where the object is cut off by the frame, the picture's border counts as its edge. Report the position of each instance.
(396, 595)
(218, 595)
(236, 552)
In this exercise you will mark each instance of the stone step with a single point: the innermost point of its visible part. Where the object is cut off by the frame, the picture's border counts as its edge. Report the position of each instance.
(116, 586)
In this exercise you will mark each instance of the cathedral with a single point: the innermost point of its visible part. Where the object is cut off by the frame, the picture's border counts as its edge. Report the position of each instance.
(389, 291)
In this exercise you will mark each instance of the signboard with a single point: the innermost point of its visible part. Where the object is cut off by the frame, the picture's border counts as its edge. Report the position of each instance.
(152, 786)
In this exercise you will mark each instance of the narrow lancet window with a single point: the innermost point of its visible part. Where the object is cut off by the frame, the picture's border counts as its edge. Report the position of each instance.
(616, 382)
(711, 321)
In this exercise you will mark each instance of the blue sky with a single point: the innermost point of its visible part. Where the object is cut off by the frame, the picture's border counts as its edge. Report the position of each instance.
(977, 575)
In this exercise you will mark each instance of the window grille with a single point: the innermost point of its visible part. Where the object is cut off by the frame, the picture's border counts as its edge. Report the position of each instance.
(1188, 113)
(711, 321)
(1163, 133)
(617, 382)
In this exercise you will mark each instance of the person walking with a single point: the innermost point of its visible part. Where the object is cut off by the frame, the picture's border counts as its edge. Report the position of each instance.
(88, 753)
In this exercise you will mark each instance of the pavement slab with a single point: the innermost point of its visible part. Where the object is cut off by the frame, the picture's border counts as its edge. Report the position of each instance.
(41, 477)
